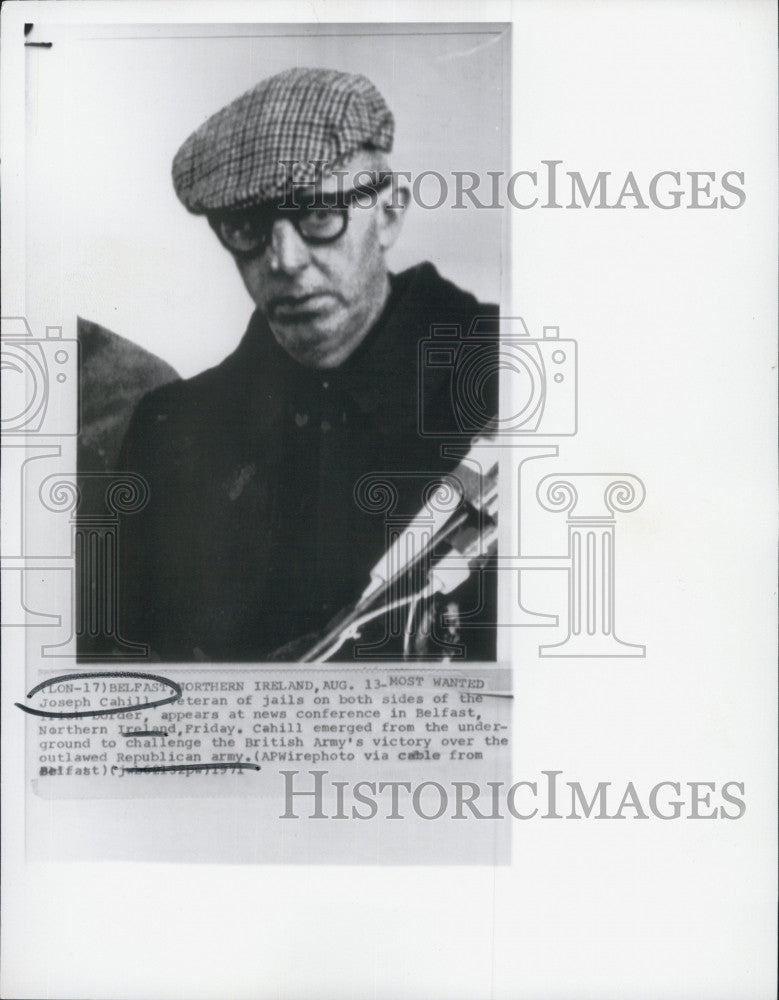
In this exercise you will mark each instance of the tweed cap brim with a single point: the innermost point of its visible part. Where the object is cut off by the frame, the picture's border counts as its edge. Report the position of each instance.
(243, 155)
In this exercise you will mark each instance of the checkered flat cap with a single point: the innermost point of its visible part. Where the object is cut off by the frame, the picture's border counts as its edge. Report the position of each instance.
(241, 156)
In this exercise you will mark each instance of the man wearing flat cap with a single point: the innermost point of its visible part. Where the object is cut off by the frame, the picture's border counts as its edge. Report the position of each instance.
(257, 531)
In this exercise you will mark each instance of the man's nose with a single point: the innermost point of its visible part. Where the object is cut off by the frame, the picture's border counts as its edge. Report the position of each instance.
(288, 251)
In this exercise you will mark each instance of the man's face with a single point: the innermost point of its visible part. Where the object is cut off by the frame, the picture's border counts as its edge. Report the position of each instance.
(321, 300)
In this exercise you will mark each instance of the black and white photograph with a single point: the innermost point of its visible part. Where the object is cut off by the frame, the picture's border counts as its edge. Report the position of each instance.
(285, 310)
(310, 494)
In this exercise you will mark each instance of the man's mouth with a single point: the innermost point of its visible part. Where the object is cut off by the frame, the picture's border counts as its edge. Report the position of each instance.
(297, 307)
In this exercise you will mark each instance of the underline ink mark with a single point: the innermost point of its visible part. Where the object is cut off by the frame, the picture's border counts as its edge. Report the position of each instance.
(232, 765)
(91, 676)
(146, 732)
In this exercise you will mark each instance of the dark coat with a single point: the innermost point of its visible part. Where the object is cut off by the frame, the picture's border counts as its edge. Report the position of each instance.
(253, 535)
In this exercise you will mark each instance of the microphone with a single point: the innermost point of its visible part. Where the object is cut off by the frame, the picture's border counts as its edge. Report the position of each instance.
(461, 510)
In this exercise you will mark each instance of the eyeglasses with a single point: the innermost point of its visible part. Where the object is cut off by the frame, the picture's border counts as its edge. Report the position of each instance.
(248, 233)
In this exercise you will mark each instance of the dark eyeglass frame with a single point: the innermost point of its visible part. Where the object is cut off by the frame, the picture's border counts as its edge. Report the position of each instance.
(295, 210)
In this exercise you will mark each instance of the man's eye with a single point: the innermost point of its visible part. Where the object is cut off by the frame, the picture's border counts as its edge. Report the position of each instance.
(239, 230)
(320, 216)
(322, 223)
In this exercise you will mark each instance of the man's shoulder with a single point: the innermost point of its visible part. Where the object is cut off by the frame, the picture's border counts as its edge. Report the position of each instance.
(176, 425)
(194, 397)
(439, 299)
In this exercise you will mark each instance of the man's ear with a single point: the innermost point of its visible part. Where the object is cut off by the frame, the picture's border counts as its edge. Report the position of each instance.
(393, 202)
